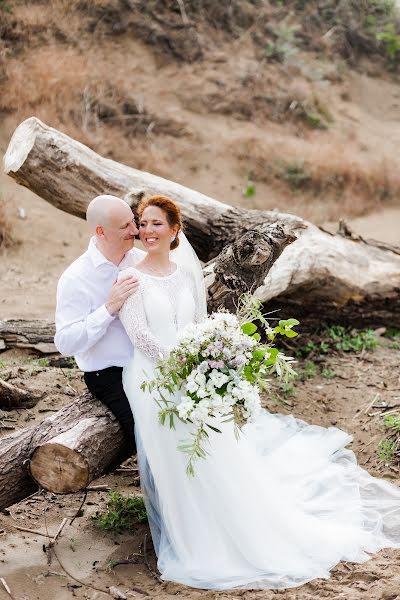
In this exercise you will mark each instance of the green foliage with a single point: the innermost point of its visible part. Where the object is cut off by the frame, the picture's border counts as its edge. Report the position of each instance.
(387, 451)
(2, 364)
(352, 340)
(123, 513)
(4, 6)
(391, 42)
(285, 328)
(392, 423)
(308, 371)
(357, 27)
(394, 336)
(284, 46)
(40, 362)
(250, 189)
(328, 373)
(341, 339)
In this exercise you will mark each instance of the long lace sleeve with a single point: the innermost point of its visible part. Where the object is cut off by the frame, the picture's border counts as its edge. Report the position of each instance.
(133, 317)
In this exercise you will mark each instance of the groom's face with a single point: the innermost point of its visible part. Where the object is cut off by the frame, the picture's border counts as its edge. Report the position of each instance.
(120, 231)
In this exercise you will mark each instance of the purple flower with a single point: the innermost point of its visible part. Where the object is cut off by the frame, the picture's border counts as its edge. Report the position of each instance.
(216, 364)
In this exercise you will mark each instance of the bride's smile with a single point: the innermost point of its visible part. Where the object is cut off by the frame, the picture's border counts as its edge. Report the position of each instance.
(154, 230)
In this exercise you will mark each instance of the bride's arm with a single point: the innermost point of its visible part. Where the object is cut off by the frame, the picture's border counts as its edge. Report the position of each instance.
(133, 317)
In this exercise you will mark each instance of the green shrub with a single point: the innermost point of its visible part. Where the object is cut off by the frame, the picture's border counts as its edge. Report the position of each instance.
(123, 513)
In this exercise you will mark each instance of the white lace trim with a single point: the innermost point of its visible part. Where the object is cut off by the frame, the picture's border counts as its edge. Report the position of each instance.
(133, 316)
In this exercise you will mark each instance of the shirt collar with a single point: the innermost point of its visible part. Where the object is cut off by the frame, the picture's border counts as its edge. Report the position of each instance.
(98, 258)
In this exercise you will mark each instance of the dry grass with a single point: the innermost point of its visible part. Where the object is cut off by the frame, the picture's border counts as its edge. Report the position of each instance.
(8, 237)
(338, 179)
(88, 95)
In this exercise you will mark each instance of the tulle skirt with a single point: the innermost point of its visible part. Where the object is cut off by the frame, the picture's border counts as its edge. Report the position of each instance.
(277, 508)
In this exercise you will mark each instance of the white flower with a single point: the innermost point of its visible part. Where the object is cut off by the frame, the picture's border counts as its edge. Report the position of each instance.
(203, 367)
(218, 378)
(201, 412)
(192, 386)
(185, 407)
(200, 379)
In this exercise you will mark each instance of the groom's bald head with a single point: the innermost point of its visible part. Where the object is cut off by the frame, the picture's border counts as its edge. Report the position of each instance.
(103, 209)
(111, 221)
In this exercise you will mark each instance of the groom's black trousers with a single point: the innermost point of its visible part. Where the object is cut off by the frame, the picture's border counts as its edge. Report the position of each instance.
(106, 386)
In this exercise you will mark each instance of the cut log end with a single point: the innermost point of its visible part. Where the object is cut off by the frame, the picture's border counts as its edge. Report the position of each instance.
(59, 469)
(21, 144)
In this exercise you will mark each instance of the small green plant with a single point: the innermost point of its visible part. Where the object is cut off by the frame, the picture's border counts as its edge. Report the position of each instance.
(284, 46)
(2, 364)
(352, 340)
(123, 513)
(41, 362)
(250, 188)
(392, 423)
(394, 336)
(328, 373)
(387, 451)
(308, 371)
(286, 390)
(391, 42)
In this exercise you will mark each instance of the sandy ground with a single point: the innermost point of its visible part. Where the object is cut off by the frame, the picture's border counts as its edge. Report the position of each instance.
(50, 240)
(83, 553)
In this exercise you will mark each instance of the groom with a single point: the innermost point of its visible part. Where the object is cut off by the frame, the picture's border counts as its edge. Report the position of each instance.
(88, 300)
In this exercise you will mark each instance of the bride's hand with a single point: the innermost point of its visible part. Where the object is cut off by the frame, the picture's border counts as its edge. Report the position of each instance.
(119, 292)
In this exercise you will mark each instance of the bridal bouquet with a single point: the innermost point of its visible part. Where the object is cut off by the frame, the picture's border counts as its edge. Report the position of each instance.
(216, 372)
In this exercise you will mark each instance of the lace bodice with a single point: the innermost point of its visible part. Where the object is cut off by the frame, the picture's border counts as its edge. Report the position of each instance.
(162, 306)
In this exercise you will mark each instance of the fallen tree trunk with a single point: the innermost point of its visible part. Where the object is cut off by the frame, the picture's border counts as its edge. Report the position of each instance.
(320, 270)
(13, 397)
(74, 466)
(20, 333)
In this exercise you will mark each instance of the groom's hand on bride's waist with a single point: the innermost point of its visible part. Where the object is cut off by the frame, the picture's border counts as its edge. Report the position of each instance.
(120, 291)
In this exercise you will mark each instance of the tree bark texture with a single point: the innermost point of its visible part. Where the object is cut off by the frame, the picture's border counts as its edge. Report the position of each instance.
(21, 333)
(92, 439)
(13, 397)
(319, 270)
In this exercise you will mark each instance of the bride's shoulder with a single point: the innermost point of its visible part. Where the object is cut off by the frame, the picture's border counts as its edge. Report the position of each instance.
(128, 272)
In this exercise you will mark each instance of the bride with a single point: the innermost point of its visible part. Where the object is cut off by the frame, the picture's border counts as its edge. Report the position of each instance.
(281, 506)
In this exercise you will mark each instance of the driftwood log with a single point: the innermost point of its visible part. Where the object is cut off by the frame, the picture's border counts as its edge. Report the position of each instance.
(36, 335)
(14, 397)
(322, 276)
(68, 449)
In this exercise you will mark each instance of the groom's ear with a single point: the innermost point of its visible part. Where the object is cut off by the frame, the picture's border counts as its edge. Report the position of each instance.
(99, 230)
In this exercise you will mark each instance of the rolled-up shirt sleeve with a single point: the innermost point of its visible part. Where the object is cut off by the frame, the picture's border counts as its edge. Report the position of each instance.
(78, 328)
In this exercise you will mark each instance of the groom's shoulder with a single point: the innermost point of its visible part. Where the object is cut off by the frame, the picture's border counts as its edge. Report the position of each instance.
(78, 269)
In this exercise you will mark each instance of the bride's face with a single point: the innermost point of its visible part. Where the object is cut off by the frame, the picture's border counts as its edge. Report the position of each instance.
(154, 230)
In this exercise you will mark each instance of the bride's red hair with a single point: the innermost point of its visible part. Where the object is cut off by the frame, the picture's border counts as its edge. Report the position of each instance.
(169, 207)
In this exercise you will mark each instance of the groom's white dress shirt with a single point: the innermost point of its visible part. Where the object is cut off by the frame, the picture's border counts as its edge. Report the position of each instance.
(84, 327)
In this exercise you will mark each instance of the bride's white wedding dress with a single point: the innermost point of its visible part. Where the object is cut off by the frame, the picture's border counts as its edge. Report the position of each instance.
(279, 507)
